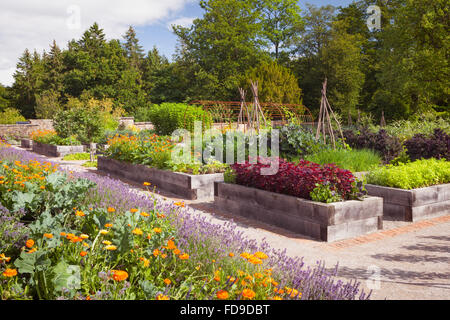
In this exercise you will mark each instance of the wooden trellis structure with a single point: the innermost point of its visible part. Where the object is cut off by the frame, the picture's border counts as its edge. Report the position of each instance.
(324, 122)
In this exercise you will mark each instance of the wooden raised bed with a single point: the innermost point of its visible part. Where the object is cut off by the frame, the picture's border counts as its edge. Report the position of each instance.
(413, 205)
(191, 187)
(327, 222)
(56, 151)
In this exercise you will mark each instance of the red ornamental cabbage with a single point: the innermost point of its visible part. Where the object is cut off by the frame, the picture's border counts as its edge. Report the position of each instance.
(296, 180)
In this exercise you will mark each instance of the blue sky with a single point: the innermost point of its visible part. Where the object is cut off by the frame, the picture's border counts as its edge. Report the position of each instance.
(33, 25)
(160, 35)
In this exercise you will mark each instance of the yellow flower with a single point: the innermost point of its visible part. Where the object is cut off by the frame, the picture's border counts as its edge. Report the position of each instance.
(79, 213)
(106, 242)
(162, 297)
(138, 232)
(156, 252)
(157, 230)
(260, 255)
(183, 256)
(147, 184)
(84, 236)
(4, 258)
(103, 232)
(111, 248)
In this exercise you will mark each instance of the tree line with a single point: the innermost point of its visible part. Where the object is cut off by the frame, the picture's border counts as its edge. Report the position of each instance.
(401, 69)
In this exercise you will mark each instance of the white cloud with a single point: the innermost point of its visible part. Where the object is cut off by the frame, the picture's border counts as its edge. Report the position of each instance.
(184, 22)
(34, 24)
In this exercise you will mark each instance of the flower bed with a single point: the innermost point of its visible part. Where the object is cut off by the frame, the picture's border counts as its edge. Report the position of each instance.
(192, 187)
(56, 151)
(413, 191)
(125, 245)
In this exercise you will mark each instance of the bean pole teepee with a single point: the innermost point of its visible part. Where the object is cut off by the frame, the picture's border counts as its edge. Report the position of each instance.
(256, 113)
(325, 124)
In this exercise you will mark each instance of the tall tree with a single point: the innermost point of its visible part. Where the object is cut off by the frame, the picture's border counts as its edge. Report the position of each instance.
(281, 22)
(134, 51)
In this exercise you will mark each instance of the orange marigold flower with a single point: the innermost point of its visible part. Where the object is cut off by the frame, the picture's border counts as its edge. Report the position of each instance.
(167, 281)
(111, 248)
(63, 234)
(32, 250)
(171, 245)
(248, 294)
(108, 225)
(79, 213)
(107, 243)
(231, 254)
(222, 295)
(133, 210)
(255, 260)
(119, 275)
(157, 230)
(176, 251)
(156, 252)
(48, 235)
(144, 214)
(111, 209)
(30, 243)
(138, 232)
(10, 273)
(183, 256)
(4, 258)
(83, 253)
(146, 184)
(162, 297)
(260, 255)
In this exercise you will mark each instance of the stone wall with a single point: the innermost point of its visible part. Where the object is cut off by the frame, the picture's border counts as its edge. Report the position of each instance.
(20, 131)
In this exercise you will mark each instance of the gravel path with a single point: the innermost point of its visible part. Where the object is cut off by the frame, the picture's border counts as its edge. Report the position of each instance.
(403, 261)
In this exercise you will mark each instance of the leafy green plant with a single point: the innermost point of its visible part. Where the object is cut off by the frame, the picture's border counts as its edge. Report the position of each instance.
(412, 175)
(77, 156)
(169, 117)
(10, 116)
(324, 193)
(353, 160)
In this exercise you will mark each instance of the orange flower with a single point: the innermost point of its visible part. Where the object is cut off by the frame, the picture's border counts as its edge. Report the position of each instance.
(63, 234)
(29, 243)
(179, 204)
(10, 273)
(167, 281)
(32, 250)
(183, 256)
(248, 294)
(144, 214)
(171, 245)
(231, 254)
(108, 225)
(79, 213)
(156, 252)
(111, 210)
(157, 230)
(138, 232)
(83, 253)
(162, 297)
(147, 184)
(222, 295)
(4, 258)
(134, 210)
(119, 275)
(260, 255)
(48, 235)
(176, 251)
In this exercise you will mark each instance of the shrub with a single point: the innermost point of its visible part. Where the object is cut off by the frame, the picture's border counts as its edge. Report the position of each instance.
(51, 137)
(10, 116)
(353, 160)
(388, 146)
(297, 180)
(169, 117)
(297, 141)
(436, 146)
(412, 175)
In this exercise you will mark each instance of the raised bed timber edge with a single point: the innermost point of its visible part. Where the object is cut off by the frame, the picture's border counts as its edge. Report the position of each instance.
(190, 187)
(413, 205)
(56, 151)
(326, 222)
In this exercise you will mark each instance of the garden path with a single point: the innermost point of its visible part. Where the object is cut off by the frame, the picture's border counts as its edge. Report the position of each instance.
(403, 261)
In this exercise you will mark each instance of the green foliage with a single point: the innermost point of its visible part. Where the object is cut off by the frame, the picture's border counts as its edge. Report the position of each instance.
(47, 105)
(353, 160)
(77, 156)
(10, 116)
(412, 175)
(197, 167)
(169, 117)
(275, 83)
(324, 193)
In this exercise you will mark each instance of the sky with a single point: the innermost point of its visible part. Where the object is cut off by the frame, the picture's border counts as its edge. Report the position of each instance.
(34, 24)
